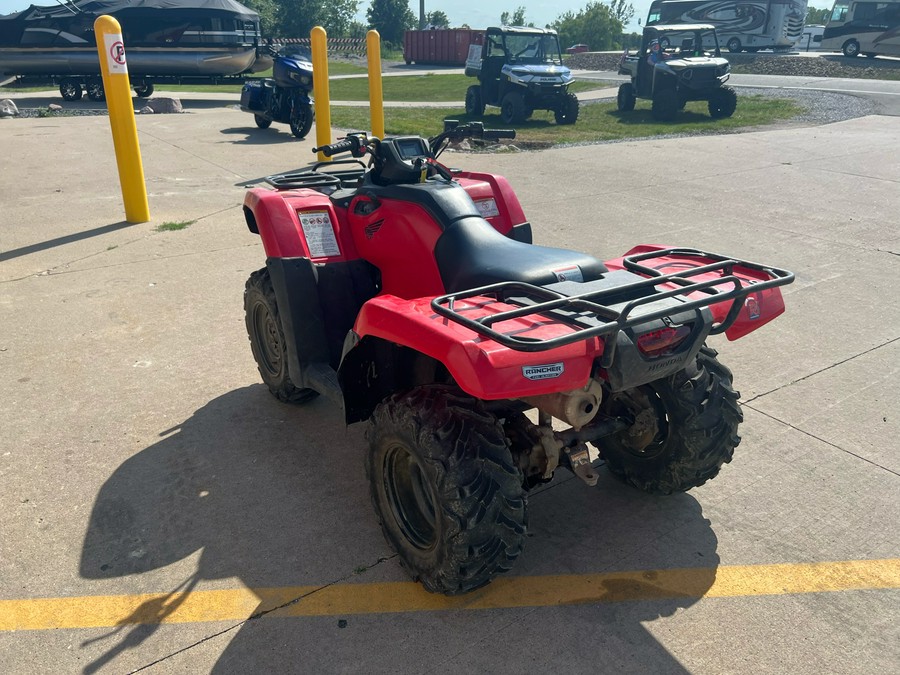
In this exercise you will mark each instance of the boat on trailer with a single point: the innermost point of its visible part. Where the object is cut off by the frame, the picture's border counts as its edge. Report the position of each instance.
(163, 39)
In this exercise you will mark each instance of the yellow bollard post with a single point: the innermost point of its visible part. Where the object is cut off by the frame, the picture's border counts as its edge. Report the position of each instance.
(117, 88)
(319, 42)
(376, 97)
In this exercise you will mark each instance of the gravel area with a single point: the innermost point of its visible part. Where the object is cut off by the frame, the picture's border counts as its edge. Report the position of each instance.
(43, 112)
(822, 107)
(771, 64)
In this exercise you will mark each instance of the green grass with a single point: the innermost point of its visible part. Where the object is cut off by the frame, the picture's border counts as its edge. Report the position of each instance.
(596, 122)
(432, 87)
(171, 226)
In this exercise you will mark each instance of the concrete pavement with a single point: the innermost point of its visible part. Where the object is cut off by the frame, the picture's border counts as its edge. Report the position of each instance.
(155, 496)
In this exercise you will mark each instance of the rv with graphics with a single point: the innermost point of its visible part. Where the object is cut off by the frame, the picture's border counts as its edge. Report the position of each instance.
(868, 28)
(741, 26)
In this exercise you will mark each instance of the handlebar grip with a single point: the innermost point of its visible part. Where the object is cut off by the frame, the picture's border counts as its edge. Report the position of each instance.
(497, 134)
(335, 148)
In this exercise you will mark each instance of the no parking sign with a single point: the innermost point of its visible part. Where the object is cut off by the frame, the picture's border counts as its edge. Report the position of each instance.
(115, 54)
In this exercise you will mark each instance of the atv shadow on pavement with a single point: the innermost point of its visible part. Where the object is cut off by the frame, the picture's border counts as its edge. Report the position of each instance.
(275, 496)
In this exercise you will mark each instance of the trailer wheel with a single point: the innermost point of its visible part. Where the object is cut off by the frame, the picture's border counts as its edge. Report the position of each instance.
(95, 90)
(144, 90)
(474, 103)
(445, 489)
(267, 339)
(685, 428)
(301, 120)
(722, 103)
(262, 122)
(734, 45)
(70, 89)
(567, 112)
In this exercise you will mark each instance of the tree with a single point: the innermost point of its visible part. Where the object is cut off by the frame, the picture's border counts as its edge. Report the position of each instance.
(517, 18)
(624, 13)
(337, 15)
(268, 15)
(391, 18)
(594, 25)
(297, 17)
(817, 16)
(437, 19)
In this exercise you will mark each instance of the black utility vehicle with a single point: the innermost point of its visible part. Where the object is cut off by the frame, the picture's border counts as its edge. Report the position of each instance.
(689, 67)
(520, 70)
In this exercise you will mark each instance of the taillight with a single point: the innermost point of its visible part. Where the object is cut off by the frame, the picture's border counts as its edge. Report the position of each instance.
(662, 341)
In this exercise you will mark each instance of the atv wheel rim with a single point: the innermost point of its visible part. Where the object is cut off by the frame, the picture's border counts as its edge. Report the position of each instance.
(267, 338)
(646, 437)
(410, 497)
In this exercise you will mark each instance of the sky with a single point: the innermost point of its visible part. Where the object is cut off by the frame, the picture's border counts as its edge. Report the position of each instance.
(476, 13)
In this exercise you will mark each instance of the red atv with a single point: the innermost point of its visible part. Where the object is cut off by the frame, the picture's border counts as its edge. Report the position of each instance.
(411, 295)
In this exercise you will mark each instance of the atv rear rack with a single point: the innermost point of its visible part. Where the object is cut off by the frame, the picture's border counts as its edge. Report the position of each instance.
(587, 314)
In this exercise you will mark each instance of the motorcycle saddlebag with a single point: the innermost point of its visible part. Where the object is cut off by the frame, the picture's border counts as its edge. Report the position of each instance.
(252, 96)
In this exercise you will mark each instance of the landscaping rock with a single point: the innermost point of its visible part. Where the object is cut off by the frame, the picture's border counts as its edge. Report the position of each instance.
(165, 105)
(8, 108)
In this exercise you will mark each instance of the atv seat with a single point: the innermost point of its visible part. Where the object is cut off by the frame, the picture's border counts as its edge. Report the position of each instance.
(471, 253)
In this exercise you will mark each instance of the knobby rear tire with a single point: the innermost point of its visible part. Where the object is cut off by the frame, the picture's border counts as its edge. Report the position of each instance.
(445, 489)
(697, 420)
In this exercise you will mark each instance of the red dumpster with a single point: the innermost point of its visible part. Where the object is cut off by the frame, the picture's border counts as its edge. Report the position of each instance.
(440, 46)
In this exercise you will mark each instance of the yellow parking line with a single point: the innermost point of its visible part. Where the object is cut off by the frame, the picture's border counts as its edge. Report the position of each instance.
(506, 592)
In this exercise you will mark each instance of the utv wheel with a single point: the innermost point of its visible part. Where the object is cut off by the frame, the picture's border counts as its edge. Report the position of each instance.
(665, 105)
(95, 90)
(70, 90)
(512, 108)
(267, 339)
(262, 122)
(851, 48)
(301, 121)
(722, 103)
(445, 489)
(685, 428)
(567, 112)
(734, 45)
(474, 104)
(144, 90)
(625, 97)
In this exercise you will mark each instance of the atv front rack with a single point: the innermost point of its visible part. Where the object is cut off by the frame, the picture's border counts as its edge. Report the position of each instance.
(589, 315)
(315, 179)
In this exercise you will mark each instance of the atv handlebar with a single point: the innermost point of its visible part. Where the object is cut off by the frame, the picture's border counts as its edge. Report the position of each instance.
(355, 143)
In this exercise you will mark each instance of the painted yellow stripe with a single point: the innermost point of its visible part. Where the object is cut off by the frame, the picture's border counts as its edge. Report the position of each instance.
(359, 598)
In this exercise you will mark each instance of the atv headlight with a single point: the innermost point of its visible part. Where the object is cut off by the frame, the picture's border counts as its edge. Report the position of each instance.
(722, 70)
(687, 74)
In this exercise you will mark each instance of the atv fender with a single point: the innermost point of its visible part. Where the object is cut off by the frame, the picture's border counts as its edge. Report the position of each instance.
(275, 216)
(483, 368)
(759, 308)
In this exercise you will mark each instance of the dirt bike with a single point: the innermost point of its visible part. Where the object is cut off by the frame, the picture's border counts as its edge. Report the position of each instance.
(411, 295)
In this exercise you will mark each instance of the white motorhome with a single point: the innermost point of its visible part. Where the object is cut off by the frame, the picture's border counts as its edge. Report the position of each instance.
(869, 28)
(810, 39)
(748, 25)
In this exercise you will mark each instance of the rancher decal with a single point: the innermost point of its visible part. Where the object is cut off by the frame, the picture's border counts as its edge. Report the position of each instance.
(544, 372)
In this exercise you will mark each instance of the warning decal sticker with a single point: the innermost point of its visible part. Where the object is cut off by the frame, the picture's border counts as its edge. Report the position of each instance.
(319, 233)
